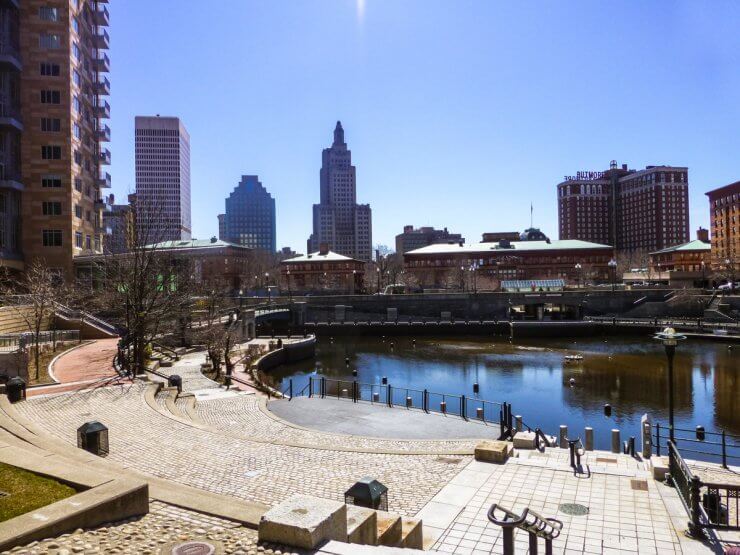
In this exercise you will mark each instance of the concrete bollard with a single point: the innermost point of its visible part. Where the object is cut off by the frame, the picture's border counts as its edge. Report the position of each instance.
(344, 393)
(443, 407)
(646, 431)
(479, 413)
(589, 435)
(563, 436)
(409, 402)
(616, 442)
(376, 397)
(518, 420)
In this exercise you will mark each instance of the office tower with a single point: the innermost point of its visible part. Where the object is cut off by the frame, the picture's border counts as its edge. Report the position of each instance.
(412, 239)
(338, 221)
(162, 180)
(249, 219)
(628, 209)
(52, 89)
(724, 218)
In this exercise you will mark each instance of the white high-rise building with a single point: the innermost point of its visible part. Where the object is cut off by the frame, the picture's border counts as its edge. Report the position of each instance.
(338, 221)
(162, 179)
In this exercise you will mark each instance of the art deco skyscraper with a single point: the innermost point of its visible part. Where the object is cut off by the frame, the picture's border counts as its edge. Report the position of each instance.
(338, 221)
(52, 90)
(162, 180)
(250, 216)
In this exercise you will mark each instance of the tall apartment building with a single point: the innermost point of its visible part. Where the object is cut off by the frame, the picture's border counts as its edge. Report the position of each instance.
(249, 219)
(52, 107)
(724, 217)
(338, 221)
(118, 220)
(625, 208)
(162, 180)
(412, 239)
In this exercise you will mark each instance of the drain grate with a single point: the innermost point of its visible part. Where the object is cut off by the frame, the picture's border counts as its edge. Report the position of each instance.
(639, 485)
(194, 548)
(573, 509)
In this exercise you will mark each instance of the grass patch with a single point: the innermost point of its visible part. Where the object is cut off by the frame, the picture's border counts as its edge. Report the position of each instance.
(27, 491)
(47, 355)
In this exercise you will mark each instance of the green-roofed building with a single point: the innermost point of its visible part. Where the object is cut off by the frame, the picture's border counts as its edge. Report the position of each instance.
(684, 265)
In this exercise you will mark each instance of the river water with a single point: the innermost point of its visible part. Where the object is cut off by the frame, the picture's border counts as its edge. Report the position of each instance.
(630, 374)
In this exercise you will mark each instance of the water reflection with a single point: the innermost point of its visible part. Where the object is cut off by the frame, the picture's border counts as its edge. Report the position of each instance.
(628, 373)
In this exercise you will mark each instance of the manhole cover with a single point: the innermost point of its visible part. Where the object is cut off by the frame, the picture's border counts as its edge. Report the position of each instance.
(194, 548)
(573, 509)
(639, 485)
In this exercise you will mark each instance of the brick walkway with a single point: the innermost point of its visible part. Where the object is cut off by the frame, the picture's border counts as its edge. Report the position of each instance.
(89, 365)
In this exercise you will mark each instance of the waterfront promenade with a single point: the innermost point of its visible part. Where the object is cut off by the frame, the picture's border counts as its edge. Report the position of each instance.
(228, 442)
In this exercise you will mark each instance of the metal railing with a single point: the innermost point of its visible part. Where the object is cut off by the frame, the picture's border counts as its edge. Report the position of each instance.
(710, 505)
(468, 408)
(716, 446)
(535, 525)
(14, 342)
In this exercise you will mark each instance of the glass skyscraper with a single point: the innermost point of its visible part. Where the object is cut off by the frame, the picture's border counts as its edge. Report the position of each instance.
(250, 216)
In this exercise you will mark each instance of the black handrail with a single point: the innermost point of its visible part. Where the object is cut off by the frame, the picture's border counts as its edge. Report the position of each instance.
(728, 444)
(529, 521)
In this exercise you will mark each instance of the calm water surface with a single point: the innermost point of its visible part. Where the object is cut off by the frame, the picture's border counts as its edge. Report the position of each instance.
(628, 373)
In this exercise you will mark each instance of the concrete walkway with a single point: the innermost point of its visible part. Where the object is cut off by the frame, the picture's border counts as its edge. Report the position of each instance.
(342, 416)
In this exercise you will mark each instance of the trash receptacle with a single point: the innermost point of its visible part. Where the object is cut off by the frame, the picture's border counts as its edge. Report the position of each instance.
(175, 381)
(15, 389)
(93, 437)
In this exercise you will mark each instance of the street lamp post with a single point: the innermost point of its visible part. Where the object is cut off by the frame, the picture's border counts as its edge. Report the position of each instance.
(703, 276)
(354, 278)
(267, 286)
(377, 271)
(290, 294)
(670, 338)
(578, 272)
(731, 274)
(613, 272)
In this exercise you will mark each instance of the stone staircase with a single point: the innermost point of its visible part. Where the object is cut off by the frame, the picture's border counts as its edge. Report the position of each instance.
(166, 356)
(308, 522)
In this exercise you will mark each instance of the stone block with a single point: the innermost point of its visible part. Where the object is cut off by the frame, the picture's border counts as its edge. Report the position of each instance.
(492, 451)
(412, 535)
(526, 440)
(305, 522)
(362, 525)
(659, 467)
(389, 529)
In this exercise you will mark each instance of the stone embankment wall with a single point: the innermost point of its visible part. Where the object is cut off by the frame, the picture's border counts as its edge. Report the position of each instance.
(298, 350)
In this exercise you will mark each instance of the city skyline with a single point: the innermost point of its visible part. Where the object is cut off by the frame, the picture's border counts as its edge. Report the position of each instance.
(427, 130)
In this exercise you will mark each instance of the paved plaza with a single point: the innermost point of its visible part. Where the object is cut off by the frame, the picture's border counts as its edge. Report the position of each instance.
(231, 443)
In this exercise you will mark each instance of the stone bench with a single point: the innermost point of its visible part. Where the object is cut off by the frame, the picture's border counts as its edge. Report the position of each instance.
(305, 522)
(492, 451)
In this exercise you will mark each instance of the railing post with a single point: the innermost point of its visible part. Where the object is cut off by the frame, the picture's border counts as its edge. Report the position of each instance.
(354, 391)
(724, 450)
(323, 387)
(657, 438)
(501, 420)
(425, 401)
(695, 524)
(532, 543)
(390, 398)
(290, 385)
(310, 387)
(462, 407)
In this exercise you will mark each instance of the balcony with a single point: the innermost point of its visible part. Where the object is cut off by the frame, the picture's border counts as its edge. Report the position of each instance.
(104, 157)
(10, 57)
(103, 134)
(102, 64)
(104, 180)
(103, 204)
(102, 87)
(102, 40)
(102, 110)
(10, 116)
(102, 17)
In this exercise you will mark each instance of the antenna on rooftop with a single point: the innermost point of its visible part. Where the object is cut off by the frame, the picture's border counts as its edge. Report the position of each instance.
(531, 215)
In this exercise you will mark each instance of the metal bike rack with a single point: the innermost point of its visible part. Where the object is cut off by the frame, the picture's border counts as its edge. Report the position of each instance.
(534, 524)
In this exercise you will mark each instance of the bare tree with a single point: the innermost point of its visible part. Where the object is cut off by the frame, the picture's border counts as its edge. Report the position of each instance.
(33, 297)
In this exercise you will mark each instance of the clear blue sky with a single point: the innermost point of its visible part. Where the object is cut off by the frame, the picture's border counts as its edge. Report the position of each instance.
(458, 113)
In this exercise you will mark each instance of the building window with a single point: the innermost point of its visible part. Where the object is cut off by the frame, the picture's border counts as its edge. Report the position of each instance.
(76, 25)
(76, 104)
(50, 41)
(51, 208)
(51, 124)
(52, 237)
(76, 51)
(78, 211)
(51, 182)
(77, 131)
(78, 157)
(88, 242)
(50, 97)
(51, 152)
(76, 77)
(78, 184)
(49, 69)
(48, 14)
(78, 239)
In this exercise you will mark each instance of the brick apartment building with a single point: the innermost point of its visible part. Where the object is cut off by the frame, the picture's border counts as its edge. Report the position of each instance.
(52, 107)
(412, 238)
(724, 218)
(646, 210)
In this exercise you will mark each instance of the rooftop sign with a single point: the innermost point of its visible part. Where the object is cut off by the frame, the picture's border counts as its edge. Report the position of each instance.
(584, 176)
